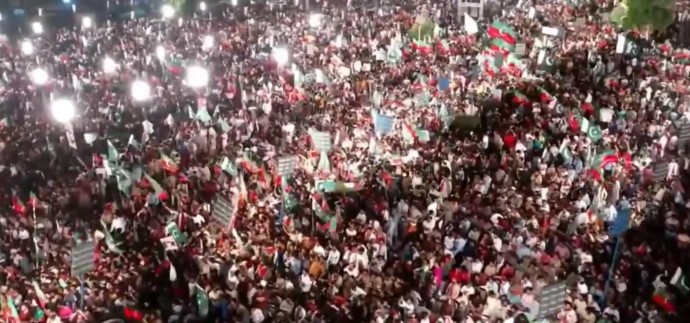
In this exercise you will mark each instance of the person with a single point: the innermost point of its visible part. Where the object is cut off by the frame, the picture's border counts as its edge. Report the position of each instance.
(385, 164)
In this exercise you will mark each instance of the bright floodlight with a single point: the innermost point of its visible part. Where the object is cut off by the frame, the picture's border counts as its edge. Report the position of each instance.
(141, 91)
(160, 53)
(63, 110)
(86, 22)
(39, 76)
(197, 77)
(167, 11)
(27, 47)
(37, 27)
(280, 55)
(202, 6)
(233, 3)
(315, 20)
(207, 43)
(109, 65)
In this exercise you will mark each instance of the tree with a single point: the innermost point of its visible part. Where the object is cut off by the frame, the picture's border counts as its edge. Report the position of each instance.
(644, 15)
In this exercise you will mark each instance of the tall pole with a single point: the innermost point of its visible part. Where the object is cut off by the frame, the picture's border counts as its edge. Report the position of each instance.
(81, 292)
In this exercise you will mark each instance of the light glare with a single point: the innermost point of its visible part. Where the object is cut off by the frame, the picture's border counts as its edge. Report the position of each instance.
(141, 90)
(167, 11)
(315, 20)
(109, 65)
(202, 6)
(280, 55)
(39, 76)
(86, 22)
(207, 42)
(160, 53)
(27, 47)
(63, 110)
(37, 27)
(197, 77)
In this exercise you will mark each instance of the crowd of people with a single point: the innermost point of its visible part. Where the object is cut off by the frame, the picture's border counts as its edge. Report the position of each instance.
(446, 169)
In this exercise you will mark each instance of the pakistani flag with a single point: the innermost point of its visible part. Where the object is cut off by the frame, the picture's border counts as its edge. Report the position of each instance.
(565, 152)
(201, 300)
(627, 46)
(594, 133)
(545, 63)
(174, 231)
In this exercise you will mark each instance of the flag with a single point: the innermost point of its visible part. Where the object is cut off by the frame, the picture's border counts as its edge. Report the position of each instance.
(502, 31)
(112, 152)
(33, 200)
(471, 26)
(175, 66)
(174, 231)
(201, 301)
(110, 241)
(519, 98)
(421, 46)
(42, 298)
(228, 166)
(594, 133)
(501, 46)
(601, 161)
(662, 298)
(12, 309)
(577, 123)
(168, 164)
(682, 57)
(681, 281)
(132, 314)
(627, 45)
(383, 124)
(544, 96)
(545, 63)
(17, 204)
(565, 152)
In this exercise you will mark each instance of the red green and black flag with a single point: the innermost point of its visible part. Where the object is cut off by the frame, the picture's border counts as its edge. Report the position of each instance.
(17, 204)
(502, 31)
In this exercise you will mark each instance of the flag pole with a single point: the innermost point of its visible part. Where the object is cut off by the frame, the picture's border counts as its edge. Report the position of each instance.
(33, 235)
(616, 255)
(81, 292)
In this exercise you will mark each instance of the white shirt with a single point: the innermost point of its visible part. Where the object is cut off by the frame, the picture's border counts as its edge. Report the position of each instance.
(333, 257)
(257, 315)
(305, 283)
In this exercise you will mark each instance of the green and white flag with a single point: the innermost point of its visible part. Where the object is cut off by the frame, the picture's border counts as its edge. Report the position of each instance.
(228, 166)
(545, 63)
(110, 241)
(594, 133)
(201, 300)
(174, 231)
(564, 150)
(627, 46)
